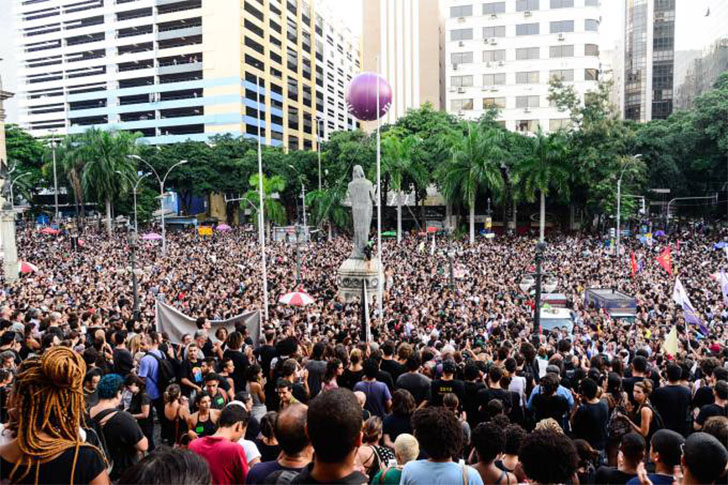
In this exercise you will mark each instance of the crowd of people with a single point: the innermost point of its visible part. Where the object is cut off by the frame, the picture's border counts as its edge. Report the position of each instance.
(452, 387)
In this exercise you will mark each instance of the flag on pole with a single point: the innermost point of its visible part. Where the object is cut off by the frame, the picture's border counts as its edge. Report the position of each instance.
(691, 317)
(670, 345)
(634, 265)
(665, 260)
(366, 329)
(679, 295)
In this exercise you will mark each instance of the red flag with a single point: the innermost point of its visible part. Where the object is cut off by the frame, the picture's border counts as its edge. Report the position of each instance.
(634, 265)
(665, 260)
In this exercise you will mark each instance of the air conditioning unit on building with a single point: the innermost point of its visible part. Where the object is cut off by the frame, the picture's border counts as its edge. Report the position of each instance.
(484, 88)
(461, 19)
(452, 90)
(493, 16)
(493, 41)
(527, 110)
(461, 43)
(500, 63)
(454, 67)
(461, 90)
(562, 36)
(487, 64)
(527, 13)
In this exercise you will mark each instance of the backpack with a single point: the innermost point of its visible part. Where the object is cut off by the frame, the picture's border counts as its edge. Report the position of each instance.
(165, 372)
(98, 428)
(618, 425)
(280, 477)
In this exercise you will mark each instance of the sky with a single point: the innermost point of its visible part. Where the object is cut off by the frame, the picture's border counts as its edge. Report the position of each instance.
(693, 29)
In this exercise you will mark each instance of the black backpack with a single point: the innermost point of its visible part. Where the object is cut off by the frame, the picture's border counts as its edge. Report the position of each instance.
(165, 374)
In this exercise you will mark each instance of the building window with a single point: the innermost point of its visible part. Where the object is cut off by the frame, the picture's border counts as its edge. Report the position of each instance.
(562, 26)
(591, 74)
(566, 75)
(489, 103)
(591, 3)
(556, 125)
(527, 29)
(461, 81)
(561, 51)
(527, 126)
(494, 56)
(494, 8)
(591, 50)
(562, 3)
(461, 104)
(591, 25)
(497, 79)
(461, 57)
(461, 34)
(499, 31)
(526, 101)
(526, 53)
(461, 11)
(527, 77)
(526, 5)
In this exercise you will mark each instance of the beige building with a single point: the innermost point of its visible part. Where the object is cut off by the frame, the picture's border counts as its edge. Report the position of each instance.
(402, 39)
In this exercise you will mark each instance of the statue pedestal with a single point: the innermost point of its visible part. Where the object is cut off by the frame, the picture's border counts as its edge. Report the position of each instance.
(10, 250)
(352, 273)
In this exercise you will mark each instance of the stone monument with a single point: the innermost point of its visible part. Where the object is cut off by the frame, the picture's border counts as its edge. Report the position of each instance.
(7, 214)
(361, 269)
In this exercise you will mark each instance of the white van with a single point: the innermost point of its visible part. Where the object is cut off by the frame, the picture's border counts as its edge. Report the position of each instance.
(553, 318)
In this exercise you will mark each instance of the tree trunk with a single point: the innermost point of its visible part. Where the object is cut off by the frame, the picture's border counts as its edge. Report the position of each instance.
(108, 216)
(399, 217)
(472, 223)
(542, 218)
(515, 217)
(448, 216)
(330, 229)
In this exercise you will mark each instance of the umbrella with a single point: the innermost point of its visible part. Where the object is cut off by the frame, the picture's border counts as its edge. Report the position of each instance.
(152, 236)
(659, 233)
(720, 245)
(24, 267)
(223, 227)
(432, 229)
(297, 298)
(49, 230)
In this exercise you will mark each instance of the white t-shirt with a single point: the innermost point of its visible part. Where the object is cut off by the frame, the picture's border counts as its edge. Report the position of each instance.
(251, 450)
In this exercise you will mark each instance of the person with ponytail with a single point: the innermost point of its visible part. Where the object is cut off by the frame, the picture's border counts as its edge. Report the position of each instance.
(48, 403)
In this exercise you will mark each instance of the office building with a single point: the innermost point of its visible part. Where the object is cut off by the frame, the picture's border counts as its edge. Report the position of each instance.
(401, 39)
(649, 59)
(503, 54)
(183, 69)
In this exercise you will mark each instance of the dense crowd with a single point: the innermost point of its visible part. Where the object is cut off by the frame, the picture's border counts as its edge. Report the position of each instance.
(452, 387)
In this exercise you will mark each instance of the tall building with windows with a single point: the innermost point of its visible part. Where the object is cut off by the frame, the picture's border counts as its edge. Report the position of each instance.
(401, 39)
(502, 54)
(649, 59)
(184, 69)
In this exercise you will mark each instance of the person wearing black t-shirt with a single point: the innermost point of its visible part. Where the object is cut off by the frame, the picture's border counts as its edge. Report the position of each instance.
(548, 404)
(234, 352)
(632, 452)
(589, 419)
(123, 360)
(447, 384)
(718, 408)
(191, 376)
(673, 402)
(638, 374)
(388, 363)
(494, 391)
(124, 438)
(471, 386)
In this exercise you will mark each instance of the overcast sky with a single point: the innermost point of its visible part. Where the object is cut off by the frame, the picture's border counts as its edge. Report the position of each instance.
(693, 29)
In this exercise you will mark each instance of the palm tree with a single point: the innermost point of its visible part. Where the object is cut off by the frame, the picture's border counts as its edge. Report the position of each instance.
(475, 164)
(398, 164)
(273, 210)
(107, 153)
(69, 156)
(326, 205)
(544, 167)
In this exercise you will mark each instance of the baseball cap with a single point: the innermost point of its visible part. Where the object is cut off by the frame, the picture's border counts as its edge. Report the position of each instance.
(553, 369)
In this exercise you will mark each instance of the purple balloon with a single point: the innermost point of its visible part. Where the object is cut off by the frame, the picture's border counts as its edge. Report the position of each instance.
(361, 96)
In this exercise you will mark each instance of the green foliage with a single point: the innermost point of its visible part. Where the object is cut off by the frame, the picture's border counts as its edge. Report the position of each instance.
(273, 210)
(25, 154)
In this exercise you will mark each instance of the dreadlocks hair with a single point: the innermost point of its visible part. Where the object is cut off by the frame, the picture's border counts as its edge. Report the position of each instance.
(48, 396)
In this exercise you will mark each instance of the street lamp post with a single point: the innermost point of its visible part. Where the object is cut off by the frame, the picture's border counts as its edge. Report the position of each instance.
(161, 193)
(298, 255)
(12, 184)
(531, 279)
(55, 175)
(135, 192)
(319, 122)
(134, 282)
(619, 202)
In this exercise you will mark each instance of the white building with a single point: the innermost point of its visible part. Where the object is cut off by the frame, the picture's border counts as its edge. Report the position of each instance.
(503, 53)
(182, 69)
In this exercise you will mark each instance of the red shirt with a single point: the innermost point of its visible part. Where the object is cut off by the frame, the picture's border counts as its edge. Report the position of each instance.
(226, 459)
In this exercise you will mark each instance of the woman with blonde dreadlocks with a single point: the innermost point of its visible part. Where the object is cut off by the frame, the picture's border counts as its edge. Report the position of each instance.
(48, 401)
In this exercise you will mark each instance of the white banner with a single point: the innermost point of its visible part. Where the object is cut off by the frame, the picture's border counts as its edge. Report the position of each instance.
(176, 324)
